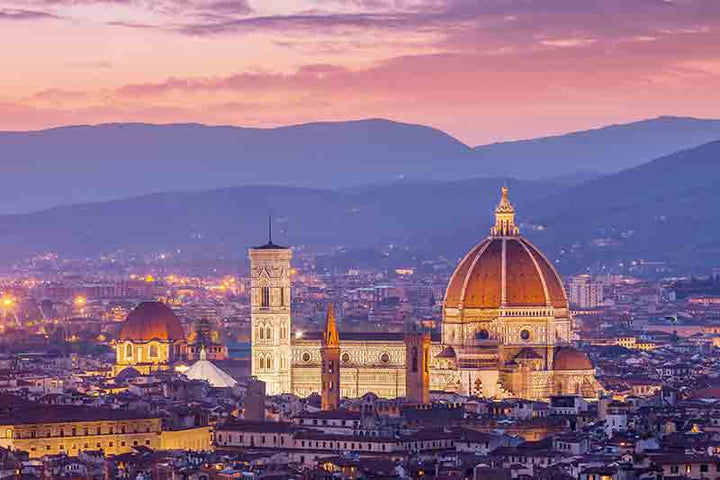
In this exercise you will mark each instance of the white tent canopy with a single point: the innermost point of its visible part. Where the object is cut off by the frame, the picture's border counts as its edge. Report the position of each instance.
(204, 369)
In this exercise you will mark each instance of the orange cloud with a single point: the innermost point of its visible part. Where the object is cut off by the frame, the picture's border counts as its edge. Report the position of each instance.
(482, 69)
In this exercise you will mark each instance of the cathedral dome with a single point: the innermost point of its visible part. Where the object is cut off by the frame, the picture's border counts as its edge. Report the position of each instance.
(569, 358)
(505, 270)
(151, 321)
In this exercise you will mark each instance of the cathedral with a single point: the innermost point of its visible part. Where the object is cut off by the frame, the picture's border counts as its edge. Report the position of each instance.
(506, 330)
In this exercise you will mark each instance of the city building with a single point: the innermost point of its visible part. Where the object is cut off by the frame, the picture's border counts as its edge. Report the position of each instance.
(150, 339)
(67, 429)
(505, 329)
(585, 292)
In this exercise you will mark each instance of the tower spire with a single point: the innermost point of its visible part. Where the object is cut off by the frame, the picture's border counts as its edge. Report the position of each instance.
(331, 335)
(330, 369)
(504, 217)
(270, 230)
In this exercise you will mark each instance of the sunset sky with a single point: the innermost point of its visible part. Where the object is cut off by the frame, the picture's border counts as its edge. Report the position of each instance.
(482, 70)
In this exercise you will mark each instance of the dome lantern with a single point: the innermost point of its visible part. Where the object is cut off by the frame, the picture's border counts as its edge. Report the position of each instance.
(504, 218)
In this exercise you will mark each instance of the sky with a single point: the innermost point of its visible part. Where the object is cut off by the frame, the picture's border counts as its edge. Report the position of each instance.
(481, 70)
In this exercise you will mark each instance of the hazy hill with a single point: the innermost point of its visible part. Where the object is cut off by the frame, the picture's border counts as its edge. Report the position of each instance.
(604, 150)
(95, 163)
(665, 209)
(449, 216)
(91, 163)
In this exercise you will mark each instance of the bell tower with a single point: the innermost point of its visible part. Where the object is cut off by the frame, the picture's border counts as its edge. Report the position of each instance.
(417, 365)
(330, 355)
(270, 315)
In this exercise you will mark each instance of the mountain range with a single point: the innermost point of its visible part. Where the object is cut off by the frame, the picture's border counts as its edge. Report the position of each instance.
(603, 150)
(664, 209)
(79, 164)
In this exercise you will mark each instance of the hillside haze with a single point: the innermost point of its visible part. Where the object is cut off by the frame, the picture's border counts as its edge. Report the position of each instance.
(665, 209)
(224, 222)
(91, 163)
(79, 164)
(604, 150)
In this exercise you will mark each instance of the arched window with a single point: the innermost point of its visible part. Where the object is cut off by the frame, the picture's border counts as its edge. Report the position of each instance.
(129, 350)
(153, 351)
(282, 296)
(265, 297)
(261, 333)
(261, 363)
(269, 362)
(414, 359)
(268, 333)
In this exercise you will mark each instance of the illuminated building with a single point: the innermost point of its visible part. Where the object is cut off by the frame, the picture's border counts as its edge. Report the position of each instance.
(417, 373)
(151, 339)
(205, 337)
(54, 429)
(330, 357)
(505, 330)
(44, 430)
(270, 316)
(584, 292)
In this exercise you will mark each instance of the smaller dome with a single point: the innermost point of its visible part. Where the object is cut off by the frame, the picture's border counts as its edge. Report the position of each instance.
(151, 321)
(569, 358)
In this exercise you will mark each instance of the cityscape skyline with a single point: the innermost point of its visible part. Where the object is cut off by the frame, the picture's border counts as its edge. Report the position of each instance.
(375, 292)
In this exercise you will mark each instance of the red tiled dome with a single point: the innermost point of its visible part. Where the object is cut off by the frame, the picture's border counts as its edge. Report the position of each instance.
(151, 321)
(529, 278)
(569, 358)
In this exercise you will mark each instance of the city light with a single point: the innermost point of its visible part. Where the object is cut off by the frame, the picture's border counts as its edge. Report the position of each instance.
(340, 239)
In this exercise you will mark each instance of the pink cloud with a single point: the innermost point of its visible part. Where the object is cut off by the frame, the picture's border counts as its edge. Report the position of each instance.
(481, 69)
